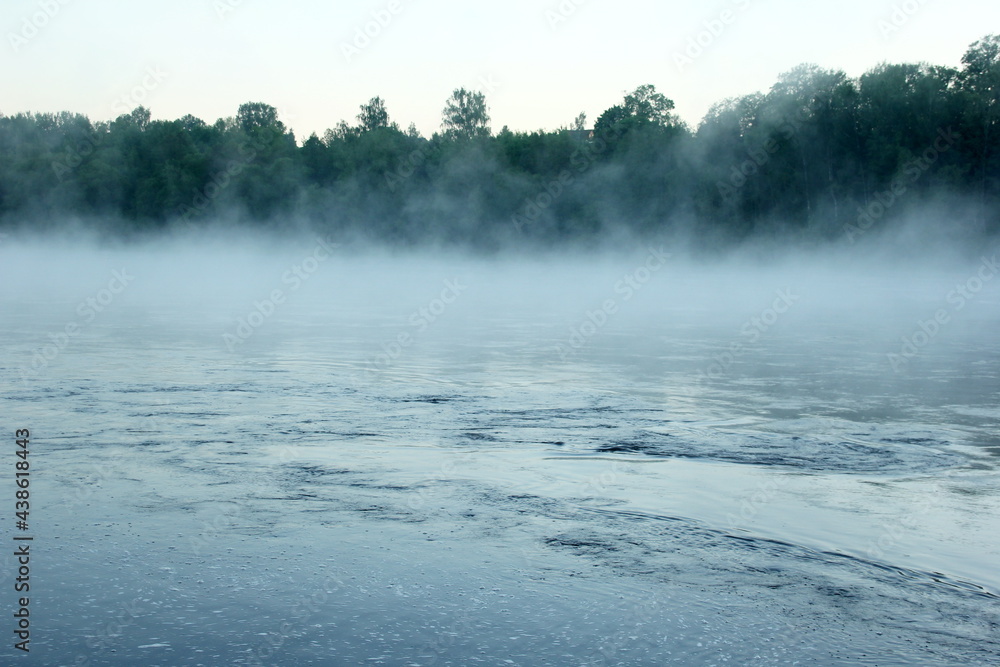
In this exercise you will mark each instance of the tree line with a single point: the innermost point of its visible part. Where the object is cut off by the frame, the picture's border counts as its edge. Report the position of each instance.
(820, 156)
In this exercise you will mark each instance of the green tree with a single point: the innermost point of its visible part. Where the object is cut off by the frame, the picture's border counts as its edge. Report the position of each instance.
(641, 108)
(138, 119)
(650, 107)
(466, 115)
(252, 117)
(374, 116)
(980, 84)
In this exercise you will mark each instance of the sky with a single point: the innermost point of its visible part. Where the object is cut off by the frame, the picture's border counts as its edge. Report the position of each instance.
(539, 63)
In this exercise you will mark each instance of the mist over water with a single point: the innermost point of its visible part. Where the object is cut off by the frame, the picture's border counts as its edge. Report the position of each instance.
(278, 451)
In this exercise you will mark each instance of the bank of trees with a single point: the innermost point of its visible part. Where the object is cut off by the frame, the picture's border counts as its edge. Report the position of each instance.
(819, 156)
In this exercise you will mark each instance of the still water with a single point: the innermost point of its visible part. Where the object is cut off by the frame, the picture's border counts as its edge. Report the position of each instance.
(286, 456)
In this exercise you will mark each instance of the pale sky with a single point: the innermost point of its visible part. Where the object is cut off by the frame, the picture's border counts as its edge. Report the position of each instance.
(206, 57)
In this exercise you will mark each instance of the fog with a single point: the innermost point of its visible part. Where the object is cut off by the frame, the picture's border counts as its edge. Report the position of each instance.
(819, 159)
(626, 391)
(507, 443)
(650, 288)
(911, 304)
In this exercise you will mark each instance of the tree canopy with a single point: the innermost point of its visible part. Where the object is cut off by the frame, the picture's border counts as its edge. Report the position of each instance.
(820, 155)
(466, 115)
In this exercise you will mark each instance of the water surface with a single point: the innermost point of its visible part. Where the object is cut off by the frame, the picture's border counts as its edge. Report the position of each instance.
(698, 481)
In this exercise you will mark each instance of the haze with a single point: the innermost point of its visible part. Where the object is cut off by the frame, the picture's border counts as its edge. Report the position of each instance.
(707, 374)
(538, 74)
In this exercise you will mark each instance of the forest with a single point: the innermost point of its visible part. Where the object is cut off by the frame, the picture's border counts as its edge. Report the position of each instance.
(819, 157)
